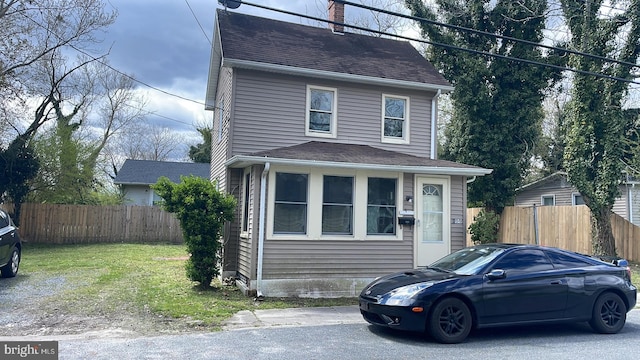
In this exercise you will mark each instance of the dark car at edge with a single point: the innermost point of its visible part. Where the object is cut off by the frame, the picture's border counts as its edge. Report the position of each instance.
(10, 246)
(498, 285)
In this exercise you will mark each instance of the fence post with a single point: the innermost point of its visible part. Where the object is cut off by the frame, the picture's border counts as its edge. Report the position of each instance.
(535, 224)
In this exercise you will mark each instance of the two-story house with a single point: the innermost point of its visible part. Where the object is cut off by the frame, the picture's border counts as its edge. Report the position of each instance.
(328, 141)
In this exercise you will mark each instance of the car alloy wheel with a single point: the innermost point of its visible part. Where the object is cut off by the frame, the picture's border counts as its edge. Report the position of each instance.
(609, 314)
(450, 321)
(11, 269)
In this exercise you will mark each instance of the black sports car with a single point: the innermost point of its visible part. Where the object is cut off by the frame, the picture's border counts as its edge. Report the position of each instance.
(501, 284)
(10, 246)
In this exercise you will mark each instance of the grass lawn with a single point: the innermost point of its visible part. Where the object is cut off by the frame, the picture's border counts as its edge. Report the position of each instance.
(129, 277)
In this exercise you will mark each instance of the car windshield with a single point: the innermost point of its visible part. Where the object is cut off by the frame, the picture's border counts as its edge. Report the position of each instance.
(468, 261)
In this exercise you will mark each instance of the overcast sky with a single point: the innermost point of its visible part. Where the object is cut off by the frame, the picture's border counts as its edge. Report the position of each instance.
(166, 44)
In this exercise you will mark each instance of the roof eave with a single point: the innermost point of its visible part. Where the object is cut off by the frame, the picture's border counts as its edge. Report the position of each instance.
(241, 161)
(292, 70)
(215, 62)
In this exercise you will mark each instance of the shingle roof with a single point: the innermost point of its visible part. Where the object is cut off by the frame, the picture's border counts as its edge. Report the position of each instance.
(261, 40)
(356, 154)
(147, 171)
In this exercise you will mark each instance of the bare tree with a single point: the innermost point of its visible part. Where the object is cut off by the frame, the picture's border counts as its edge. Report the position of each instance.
(31, 32)
(370, 19)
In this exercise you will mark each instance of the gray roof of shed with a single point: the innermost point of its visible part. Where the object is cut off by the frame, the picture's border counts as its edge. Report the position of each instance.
(262, 40)
(146, 172)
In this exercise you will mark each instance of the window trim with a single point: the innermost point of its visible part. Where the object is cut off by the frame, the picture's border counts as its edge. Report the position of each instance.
(351, 205)
(315, 201)
(547, 196)
(405, 125)
(334, 113)
(573, 198)
(246, 203)
(273, 175)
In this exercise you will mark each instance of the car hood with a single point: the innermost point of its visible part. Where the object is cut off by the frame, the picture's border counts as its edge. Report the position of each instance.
(389, 282)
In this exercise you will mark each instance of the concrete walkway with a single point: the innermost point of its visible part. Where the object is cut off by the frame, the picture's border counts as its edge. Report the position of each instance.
(295, 317)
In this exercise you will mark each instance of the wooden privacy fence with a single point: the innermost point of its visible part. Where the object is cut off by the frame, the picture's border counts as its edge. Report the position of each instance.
(86, 224)
(565, 227)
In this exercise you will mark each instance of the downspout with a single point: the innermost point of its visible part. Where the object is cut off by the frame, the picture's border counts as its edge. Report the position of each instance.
(434, 126)
(263, 196)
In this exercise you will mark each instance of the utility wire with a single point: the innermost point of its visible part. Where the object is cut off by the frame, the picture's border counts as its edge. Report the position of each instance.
(503, 37)
(452, 47)
(198, 21)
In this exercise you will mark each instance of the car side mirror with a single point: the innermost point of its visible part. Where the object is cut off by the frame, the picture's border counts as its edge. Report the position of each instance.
(496, 274)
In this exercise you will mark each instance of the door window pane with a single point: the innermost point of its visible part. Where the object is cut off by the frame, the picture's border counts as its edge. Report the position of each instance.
(432, 213)
(524, 261)
(337, 205)
(290, 212)
(381, 206)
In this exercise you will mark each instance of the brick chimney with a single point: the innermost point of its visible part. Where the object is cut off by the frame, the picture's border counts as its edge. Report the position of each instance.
(336, 13)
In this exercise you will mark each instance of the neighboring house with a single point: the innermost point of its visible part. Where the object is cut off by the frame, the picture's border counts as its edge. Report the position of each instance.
(328, 141)
(555, 189)
(135, 176)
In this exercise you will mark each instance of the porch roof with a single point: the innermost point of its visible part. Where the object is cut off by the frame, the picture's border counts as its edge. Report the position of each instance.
(338, 155)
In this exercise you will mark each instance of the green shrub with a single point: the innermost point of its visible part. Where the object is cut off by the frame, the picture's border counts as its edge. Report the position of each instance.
(202, 211)
(484, 228)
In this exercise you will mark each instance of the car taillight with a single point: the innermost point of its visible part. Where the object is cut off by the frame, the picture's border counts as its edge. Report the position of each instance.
(628, 273)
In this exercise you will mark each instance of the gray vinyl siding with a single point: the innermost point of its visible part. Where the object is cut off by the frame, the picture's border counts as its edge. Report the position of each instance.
(458, 211)
(231, 243)
(621, 205)
(408, 190)
(291, 259)
(634, 194)
(219, 149)
(248, 243)
(269, 112)
(558, 187)
(563, 193)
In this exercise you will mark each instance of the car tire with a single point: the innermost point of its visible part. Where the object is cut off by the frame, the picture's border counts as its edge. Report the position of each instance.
(11, 269)
(609, 314)
(450, 321)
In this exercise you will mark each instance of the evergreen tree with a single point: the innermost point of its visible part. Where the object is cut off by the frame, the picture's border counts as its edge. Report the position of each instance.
(497, 102)
(596, 122)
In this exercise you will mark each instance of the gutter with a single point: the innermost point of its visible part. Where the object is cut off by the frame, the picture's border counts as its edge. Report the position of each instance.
(324, 74)
(247, 160)
(434, 126)
(263, 196)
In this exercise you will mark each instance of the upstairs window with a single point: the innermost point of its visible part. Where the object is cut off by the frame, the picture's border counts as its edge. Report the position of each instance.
(290, 213)
(395, 119)
(321, 112)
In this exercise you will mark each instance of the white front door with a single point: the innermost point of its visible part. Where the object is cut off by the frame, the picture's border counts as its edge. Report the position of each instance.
(432, 212)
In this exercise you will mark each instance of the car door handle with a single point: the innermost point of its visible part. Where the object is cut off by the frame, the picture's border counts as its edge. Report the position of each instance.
(557, 282)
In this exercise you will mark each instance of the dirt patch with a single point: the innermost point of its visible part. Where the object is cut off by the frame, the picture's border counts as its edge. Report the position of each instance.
(30, 306)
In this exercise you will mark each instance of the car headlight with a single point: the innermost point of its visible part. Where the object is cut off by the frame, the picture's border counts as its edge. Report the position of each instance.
(402, 296)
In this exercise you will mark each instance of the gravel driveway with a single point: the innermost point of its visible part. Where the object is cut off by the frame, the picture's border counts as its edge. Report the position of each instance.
(30, 306)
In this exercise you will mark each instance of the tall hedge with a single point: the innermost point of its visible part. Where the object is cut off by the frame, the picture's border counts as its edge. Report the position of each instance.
(202, 211)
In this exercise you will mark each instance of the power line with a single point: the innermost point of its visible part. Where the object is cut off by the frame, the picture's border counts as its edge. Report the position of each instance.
(452, 47)
(474, 31)
(198, 21)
